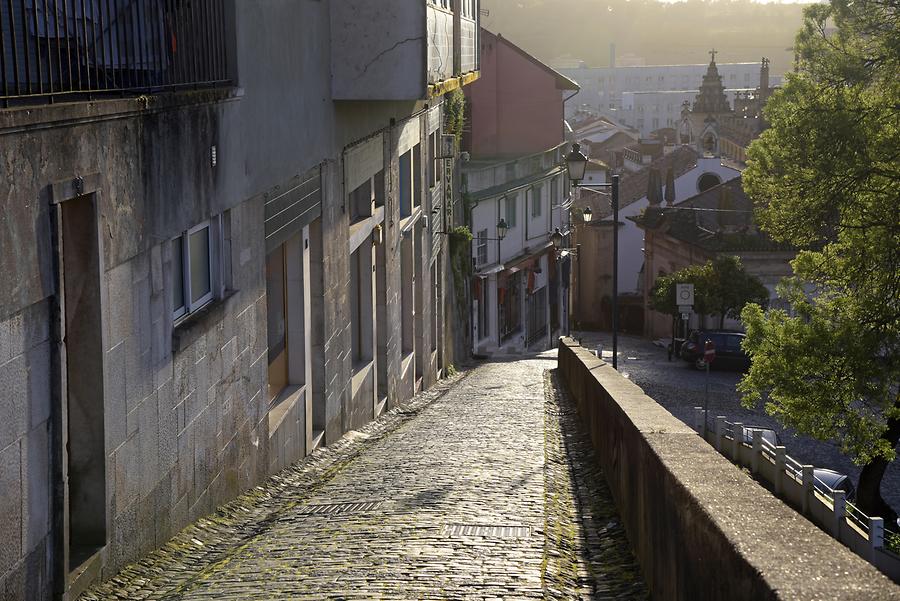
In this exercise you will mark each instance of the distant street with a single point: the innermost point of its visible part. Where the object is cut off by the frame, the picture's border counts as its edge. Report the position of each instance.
(679, 388)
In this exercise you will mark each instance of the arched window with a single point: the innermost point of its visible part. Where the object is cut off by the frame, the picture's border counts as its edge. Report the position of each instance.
(707, 181)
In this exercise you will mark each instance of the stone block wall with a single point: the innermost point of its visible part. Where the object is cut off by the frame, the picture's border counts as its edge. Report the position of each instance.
(700, 527)
(185, 406)
(24, 452)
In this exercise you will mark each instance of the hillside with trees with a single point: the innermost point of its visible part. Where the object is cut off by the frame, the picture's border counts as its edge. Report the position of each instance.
(659, 32)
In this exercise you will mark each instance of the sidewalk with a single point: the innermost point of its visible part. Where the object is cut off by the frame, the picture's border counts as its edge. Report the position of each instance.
(472, 491)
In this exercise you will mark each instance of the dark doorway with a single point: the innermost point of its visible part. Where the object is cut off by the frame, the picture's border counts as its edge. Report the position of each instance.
(82, 378)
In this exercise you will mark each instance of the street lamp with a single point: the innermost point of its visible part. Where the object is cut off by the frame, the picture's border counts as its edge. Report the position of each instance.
(587, 214)
(556, 238)
(502, 228)
(576, 163)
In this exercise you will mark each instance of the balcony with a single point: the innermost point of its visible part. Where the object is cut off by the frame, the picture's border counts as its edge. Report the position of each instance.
(55, 50)
(402, 49)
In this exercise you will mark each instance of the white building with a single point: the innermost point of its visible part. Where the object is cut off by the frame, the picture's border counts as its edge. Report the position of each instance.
(513, 294)
(649, 111)
(604, 87)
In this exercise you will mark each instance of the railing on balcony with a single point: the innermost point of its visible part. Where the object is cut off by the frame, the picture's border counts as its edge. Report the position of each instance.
(51, 49)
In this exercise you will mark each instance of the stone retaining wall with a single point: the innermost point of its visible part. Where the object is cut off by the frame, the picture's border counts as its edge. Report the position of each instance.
(700, 527)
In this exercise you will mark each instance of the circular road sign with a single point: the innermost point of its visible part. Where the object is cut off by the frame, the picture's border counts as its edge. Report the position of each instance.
(709, 352)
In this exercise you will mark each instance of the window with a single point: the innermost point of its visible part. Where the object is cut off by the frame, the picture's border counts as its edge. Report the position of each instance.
(193, 272)
(362, 311)
(707, 181)
(510, 171)
(554, 191)
(536, 193)
(361, 201)
(433, 164)
(378, 183)
(417, 176)
(510, 211)
(481, 249)
(656, 123)
(286, 322)
(276, 324)
(406, 184)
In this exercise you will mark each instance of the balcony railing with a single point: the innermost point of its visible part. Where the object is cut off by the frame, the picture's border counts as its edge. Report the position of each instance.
(51, 49)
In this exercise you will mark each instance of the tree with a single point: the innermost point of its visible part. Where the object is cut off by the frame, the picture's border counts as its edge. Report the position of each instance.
(731, 287)
(826, 177)
(721, 287)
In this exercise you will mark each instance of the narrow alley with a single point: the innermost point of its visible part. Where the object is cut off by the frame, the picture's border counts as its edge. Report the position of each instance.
(480, 488)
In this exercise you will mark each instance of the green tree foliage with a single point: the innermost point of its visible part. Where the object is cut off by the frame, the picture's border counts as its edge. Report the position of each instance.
(721, 287)
(826, 177)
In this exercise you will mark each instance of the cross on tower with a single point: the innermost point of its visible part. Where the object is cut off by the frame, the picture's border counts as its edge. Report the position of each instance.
(713, 53)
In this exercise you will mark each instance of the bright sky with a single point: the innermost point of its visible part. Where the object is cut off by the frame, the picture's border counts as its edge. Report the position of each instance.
(766, 1)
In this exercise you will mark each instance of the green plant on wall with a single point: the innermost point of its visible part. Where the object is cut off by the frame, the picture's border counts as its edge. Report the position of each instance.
(460, 260)
(455, 113)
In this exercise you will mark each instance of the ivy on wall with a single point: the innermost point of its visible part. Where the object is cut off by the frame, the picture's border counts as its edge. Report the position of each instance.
(455, 113)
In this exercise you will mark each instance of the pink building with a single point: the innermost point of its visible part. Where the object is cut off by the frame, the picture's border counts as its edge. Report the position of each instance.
(516, 107)
(517, 190)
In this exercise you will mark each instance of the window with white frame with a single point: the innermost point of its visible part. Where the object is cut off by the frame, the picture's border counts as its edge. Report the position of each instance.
(481, 249)
(554, 191)
(195, 272)
(536, 194)
(510, 202)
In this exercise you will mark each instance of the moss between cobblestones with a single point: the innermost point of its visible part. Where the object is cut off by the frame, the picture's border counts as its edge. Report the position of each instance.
(586, 552)
(209, 545)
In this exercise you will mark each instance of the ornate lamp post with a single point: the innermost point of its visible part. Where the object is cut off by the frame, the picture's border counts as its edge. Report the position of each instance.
(576, 164)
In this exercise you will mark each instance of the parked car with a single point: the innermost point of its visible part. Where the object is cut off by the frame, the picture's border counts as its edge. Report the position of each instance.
(768, 434)
(833, 480)
(729, 354)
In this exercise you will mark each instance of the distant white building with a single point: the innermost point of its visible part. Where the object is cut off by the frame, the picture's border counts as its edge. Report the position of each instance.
(649, 111)
(605, 87)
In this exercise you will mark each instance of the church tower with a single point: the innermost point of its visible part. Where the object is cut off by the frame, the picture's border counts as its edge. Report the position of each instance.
(711, 98)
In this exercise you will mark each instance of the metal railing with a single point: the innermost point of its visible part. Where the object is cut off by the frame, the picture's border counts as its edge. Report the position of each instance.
(732, 439)
(55, 48)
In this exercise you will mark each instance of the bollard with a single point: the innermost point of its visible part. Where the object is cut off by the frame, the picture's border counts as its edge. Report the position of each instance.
(757, 451)
(737, 441)
(720, 431)
(876, 533)
(699, 418)
(780, 466)
(808, 475)
(600, 350)
(840, 510)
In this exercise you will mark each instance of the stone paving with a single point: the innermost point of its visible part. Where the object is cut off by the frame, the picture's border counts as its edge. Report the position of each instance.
(481, 488)
(679, 388)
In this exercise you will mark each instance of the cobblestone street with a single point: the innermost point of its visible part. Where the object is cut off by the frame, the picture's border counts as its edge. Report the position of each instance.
(679, 387)
(481, 488)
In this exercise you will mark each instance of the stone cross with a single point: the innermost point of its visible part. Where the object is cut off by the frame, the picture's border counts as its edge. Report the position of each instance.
(713, 54)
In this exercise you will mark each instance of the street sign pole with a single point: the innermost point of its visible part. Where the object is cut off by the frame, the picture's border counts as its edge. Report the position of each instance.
(706, 402)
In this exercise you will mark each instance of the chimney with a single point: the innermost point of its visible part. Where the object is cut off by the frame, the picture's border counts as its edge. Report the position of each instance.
(612, 56)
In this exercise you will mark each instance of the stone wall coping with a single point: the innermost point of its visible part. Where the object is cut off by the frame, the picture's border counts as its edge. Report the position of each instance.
(766, 549)
(75, 111)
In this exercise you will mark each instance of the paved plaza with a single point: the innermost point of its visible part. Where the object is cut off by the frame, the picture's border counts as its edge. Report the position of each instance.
(678, 387)
(481, 488)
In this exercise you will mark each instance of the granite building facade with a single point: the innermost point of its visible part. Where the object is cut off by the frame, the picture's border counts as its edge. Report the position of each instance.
(220, 248)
